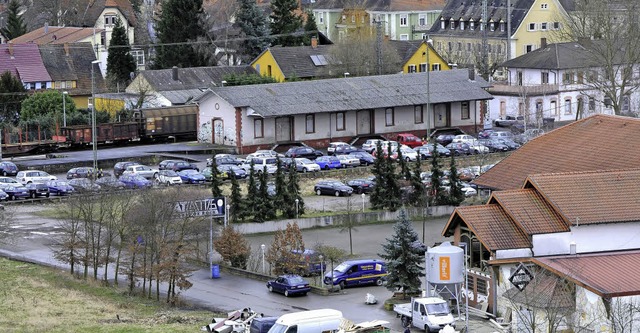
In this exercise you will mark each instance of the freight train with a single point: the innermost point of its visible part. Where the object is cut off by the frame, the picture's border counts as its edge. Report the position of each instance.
(147, 125)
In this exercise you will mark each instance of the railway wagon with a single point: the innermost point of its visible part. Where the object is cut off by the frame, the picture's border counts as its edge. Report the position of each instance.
(78, 135)
(168, 122)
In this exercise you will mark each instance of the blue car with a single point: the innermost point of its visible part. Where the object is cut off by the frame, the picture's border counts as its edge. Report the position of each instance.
(190, 176)
(328, 162)
(15, 192)
(135, 181)
(365, 158)
(58, 187)
(289, 285)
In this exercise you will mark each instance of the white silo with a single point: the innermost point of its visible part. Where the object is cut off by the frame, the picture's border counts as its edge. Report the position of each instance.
(445, 271)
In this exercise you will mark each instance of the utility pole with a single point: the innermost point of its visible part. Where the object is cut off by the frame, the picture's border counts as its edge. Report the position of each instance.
(379, 46)
(485, 45)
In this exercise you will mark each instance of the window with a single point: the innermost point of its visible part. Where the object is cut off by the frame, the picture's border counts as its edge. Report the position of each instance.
(442, 24)
(417, 114)
(268, 70)
(607, 102)
(435, 67)
(461, 25)
(310, 123)
(472, 25)
(503, 109)
(502, 26)
(340, 121)
(543, 26)
(452, 24)
(544, 77)
(532, 27)
(423, 68)
(258, 128)
(499, 47)
(556, 25)
(544, 6)
(103, 38)
(110, 20)
(411, 68)
(481, 26)
(580, 77)
(422, 19)
(554, 107)
(492, 26)
(459, 46)
(528, 48)
(450, 46)
(388, 117)
(625, 103)
(321, 18)
(519, 78)
(567, 106)
(567, 78)
(424, 36)
(138, 55)
(464, 111)
(404, 20)
(353, 19)
(580, 106)
(468, 47)
(592, 103)
(404, 37)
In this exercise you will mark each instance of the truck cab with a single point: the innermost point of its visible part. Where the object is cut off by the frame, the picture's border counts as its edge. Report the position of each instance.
(429, 313)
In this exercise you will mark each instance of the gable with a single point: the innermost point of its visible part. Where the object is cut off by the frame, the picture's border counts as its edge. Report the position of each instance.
(23, 61)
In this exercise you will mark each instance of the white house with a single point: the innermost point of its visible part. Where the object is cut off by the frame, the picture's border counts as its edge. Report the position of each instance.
(345, 109)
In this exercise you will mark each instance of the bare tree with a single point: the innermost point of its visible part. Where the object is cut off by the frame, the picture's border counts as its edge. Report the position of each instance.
(285, 253)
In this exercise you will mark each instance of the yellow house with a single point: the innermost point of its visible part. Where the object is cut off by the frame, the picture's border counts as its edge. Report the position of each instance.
(540, 25)
(292, 63)
(418, 58)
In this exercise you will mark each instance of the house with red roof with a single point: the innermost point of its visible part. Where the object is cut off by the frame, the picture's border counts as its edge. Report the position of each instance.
(24, 62)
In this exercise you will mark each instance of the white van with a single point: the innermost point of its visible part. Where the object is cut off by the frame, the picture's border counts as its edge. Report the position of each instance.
(314, 321)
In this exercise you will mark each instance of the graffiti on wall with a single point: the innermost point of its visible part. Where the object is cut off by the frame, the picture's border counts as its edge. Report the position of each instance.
(208, 133)
(204, 133)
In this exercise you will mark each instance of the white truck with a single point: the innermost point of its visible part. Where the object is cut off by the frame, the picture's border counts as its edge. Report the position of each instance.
(428, 313)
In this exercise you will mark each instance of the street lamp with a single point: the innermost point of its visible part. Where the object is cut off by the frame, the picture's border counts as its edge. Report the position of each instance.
(321, 269)
(429, 42)
(346, 74)
(64, 108)
(363, 196)
(263, 267)
(297, 201)
(93, 116)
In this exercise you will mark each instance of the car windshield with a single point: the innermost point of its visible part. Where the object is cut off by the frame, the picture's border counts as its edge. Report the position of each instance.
(438, 309)
(296, 280)
(304, 161)
(171, 173)
(270, 161)
(138, 178)
(341, 268)
(278, 328)
(189, 171)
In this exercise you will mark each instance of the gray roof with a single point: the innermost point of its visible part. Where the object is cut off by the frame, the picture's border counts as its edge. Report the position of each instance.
(191, 78)
(72, 66)
(382, 5)
(295, 62)
(178, 97)
(354, 93)
(555, 56)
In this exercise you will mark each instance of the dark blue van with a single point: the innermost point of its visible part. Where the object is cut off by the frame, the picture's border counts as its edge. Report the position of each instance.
(357, 272)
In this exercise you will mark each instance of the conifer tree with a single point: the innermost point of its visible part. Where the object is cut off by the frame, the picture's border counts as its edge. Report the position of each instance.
(437, 195)
(393, 198)
(294, 193)
(15, 26)
(237, 213)
(252, 192)
(456, 196)
(255, 29)
(310, 27)
(404, 261)
(284, 21)
(179, 26)
(282, 195)
(265, 210)
(404, 167)
(419, 192)
(377, 198)
(10, 104)
(215, 181)
(120, 62)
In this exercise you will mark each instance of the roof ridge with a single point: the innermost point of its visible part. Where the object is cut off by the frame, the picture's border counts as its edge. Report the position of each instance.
(582, 172)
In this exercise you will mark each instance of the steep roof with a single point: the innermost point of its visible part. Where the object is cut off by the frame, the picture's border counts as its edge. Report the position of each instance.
(297, 61)
(467, 10)
(91, 10)
(529, 209)
(72, 62)
(23, 61)
(354, 93)
(599, 142)
(383, 5)
(555, 56)
(405, 48)
(192, 77)
(57, 35)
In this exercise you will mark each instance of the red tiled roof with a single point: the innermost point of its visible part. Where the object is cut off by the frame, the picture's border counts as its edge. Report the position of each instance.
(611, 274)
(25, 63)
(599, 142)
(57, 35)
(493, 227)
(592, 197)
(530, 211)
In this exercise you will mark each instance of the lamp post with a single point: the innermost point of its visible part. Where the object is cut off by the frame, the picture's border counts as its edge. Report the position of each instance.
(64, 108)
(297, 201)
(93, 116)
(363, 196)
(429, 41)
(346, 74)
(263, 267)
(321, 269)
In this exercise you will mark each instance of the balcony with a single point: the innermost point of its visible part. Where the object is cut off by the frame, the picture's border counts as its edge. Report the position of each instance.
(420, 28)
(500, 88)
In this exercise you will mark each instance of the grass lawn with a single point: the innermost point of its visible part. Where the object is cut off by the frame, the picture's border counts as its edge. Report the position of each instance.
(41, 299)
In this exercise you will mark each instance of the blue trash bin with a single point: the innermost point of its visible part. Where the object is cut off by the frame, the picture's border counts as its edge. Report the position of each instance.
(215, 271)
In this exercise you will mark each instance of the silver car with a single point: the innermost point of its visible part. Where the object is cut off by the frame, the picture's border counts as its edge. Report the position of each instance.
(142, 170)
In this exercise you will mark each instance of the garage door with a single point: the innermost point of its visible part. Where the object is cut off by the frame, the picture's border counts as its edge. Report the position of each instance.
(283, 129)
(363, 118)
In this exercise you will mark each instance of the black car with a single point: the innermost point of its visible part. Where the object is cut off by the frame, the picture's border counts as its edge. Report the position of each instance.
(332, 187)
(84, 172)
(493, 145)
(345, 150)
(361, 185)
(119, 168)
(289, 285)
(365, 158)
(445, 139)
(232, 170)
(8, 168)
(224, 160)
(303, 152)
(163, 164)
(37, 190)
(459, 148)
(178, 166)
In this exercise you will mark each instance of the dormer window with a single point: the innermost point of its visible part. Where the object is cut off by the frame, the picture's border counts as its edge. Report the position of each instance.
(481, 25)
(452, 24)
(492, 26)
(110, 20)
(502, 26)
(461, 24)
(472, 25)
(442, 24)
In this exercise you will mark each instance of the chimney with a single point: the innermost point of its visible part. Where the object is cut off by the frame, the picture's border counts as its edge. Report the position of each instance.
(543, 43)
(11, 49)
(472, 73)
(174, 73)
(572, 248)
(46, 27)
(66, 49)
(314, 42)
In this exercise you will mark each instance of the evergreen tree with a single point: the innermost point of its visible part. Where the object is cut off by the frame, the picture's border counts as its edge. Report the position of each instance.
(265, 210)
(294, 193)
(120, 62)
(310, 27)
(418, 196)
(456, 196)
(237, 213)
(284, 21)
(393, 198)
(215, 181)
(436, 191)
(15, 26)
(379, 193)
(252, 192)
(10, 104)
(255, 29)
(404, 261)
(179, 25)
(404, 167)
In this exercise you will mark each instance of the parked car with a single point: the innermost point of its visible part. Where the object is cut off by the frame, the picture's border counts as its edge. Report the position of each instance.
(119, 167)
(410, 140)
(265, 153)
(180, 165)
(110, 183)
(509, 143)
(484, 134)
(464, 138)
(168, 177)
(459, 148)
(528, 135)
(303, 152)
(34, 176)
(83, 172)
(222, 159)
(232, 170)
(465, 174)
(163, 165)
(345, 150)
(477, 148)
(408, 154)
(259, 163)
(508, 121)
(332, 187)
(426, 151)
(208, 174)
(364, 157)
(84, 185)
(8, 168)
(361, 185)
(445, 139)
(37, 190)
(6, 181)
(142, 170)
(306, 165)
(333, 145)
(493, 145)
(59, 187)
(190, 176)
(370, 145)
(3, 196)
(289, 285)
(348, 161)
(328, 162)
(16, 192)
(501, 135)
(135, 181)
(469, 191)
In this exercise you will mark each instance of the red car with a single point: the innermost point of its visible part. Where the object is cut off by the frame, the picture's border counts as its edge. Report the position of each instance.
(409, 140)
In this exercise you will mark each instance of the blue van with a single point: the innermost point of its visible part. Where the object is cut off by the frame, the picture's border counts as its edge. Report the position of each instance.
(357, 272)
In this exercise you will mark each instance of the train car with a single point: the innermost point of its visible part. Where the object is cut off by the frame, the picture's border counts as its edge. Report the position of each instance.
(117, 133)
(168, 122)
